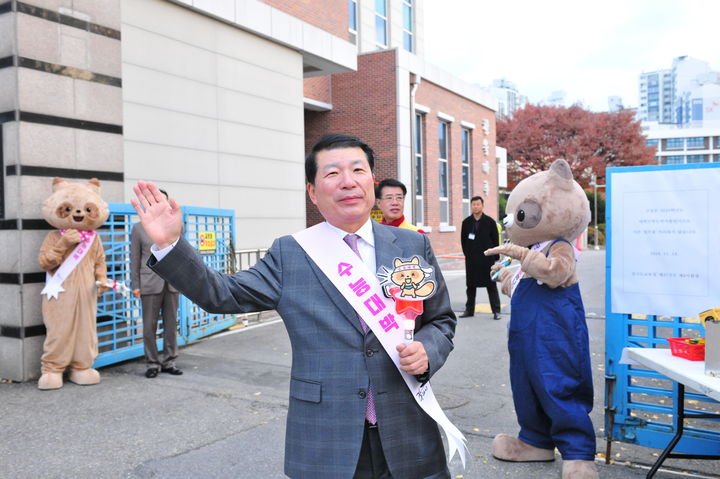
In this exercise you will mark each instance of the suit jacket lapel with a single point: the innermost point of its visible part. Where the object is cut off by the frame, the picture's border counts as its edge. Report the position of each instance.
(386, 250)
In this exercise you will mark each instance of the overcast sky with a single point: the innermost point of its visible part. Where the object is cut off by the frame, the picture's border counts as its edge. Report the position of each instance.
(590, 49)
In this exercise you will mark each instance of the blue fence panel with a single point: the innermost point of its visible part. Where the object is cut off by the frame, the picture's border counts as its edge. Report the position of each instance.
(119, 317)
(639, 402)
(198, 323)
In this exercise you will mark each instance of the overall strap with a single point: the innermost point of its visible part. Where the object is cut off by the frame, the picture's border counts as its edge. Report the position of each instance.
(557, 241)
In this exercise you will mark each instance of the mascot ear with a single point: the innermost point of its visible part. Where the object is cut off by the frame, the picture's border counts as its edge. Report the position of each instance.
(397, 262)
(415, 260)
(58, 184)
(561, 174)
(94, 183)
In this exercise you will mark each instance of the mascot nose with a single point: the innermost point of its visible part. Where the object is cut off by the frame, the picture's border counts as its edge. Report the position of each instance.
(509, 220)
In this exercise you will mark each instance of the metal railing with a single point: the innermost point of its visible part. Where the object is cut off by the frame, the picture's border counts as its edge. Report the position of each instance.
(245, 259)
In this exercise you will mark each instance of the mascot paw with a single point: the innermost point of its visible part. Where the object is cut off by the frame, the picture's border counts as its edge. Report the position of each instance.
(50, 381)
(84, 377)
(512, 449)
(579, 470)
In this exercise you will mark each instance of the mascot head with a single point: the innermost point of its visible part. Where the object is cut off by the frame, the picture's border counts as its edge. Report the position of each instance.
(75, 205)
(546, 206)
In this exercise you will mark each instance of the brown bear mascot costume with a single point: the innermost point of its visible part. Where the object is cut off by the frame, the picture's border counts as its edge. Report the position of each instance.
(547, 337)
(74, 260)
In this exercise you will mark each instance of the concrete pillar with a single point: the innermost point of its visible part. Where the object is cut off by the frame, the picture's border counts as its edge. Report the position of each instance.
(60, 115)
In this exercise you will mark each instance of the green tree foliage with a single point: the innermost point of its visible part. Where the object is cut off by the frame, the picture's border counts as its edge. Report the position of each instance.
(537, 135)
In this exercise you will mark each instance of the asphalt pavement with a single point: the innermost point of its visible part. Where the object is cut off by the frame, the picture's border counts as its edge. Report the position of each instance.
(225, 417)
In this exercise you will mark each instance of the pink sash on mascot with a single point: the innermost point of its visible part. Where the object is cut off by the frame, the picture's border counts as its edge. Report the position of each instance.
(53, 282)
(361, 288)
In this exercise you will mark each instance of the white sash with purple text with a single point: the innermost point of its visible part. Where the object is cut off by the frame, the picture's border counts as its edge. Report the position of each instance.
(53, 282)
(361, 288)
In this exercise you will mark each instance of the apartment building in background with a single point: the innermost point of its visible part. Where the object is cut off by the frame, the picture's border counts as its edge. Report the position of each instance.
(508, 97)
(687, 94)
(217, 101)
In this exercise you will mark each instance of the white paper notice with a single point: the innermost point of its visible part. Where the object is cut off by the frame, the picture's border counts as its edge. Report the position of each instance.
(664, 245)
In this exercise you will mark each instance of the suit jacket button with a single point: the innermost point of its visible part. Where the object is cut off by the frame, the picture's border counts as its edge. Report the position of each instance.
(362, 394)
(369, 352)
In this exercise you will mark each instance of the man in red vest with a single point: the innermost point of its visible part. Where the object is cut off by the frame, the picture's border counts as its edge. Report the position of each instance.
(390, 195)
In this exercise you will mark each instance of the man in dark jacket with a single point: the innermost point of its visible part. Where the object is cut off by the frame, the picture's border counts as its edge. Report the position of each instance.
(478, 233)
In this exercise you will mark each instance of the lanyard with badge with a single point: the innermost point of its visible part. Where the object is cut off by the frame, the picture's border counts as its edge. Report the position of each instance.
(471, 235)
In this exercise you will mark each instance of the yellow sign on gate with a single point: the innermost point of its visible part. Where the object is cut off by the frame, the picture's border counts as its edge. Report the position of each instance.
(206, 242)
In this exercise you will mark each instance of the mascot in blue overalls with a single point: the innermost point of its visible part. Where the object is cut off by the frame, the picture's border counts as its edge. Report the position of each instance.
(550, 369)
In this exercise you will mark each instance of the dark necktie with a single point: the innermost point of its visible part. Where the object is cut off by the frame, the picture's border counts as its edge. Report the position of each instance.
(370, 415)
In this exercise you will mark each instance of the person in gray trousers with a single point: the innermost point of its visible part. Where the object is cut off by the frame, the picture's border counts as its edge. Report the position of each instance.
(157, 297)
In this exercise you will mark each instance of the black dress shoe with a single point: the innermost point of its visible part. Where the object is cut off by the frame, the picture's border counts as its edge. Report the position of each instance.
(151, 372)
(466, 314)
(496, 316)
(173, 370)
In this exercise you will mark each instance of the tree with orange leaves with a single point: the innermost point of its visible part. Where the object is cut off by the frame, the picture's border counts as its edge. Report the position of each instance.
(537, 135)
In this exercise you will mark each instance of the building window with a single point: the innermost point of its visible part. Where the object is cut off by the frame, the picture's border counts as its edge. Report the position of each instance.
(673, 160)
(466, 159)
(353, 20)
(443, 153)
(674, 143)
(697, 142)
(696, 159)
(419, 151)
(381, 23)
(408, 25)
(717, 142)
(653, 142)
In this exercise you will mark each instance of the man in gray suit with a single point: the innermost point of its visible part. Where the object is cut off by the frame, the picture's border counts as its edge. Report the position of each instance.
(157, 296)
(350, 414)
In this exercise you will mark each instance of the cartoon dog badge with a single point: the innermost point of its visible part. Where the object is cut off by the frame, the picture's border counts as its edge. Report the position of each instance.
(409, 283)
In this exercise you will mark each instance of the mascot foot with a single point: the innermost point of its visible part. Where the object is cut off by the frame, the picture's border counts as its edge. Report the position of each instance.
(579, 470)
(84, 377)
(50, 381)
(512, 449)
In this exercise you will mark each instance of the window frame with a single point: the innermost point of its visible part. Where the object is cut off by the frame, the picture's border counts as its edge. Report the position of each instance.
(444, 201)
(384, 19)
(353, 12)
(419, 180)
(408, 6)
(466, 162)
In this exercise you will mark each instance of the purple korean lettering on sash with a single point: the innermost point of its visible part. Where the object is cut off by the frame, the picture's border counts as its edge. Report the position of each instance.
(360, 287)
(344, 269)
(388, 322)
(374, 304)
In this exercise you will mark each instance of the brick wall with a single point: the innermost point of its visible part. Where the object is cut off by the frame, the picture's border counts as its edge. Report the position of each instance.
(363, 105)
(439, 99)
(318, 88)
(329, 15)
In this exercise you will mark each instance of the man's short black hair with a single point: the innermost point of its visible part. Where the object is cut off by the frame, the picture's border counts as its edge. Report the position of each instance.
(334, 141)
(475, 198)
(391, 182)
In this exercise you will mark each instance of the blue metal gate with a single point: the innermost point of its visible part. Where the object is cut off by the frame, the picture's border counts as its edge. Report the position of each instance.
(197, 323)
(638, 402)
(119, 317)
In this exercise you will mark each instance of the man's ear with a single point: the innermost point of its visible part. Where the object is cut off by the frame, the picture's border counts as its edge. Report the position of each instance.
(311, 193)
